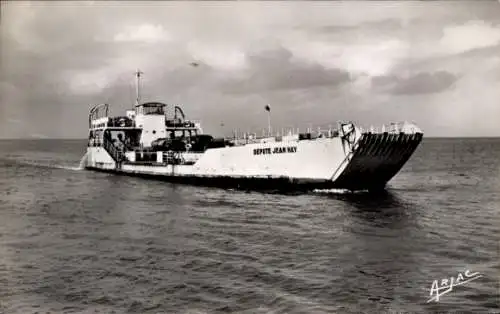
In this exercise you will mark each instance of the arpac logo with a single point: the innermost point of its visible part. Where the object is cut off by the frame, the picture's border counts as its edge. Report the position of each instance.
(439, 289)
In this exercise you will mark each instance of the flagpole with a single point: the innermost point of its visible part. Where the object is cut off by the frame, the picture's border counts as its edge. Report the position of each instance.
(269, 122)
(268, 109)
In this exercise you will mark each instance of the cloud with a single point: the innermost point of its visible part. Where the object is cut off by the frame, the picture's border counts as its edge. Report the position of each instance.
(16, 121)
(471, 106)
(146, 33)
(223, 57)
(420, 83)
(277, 69)
(469, 36)
(90, 82)
(359, 56)
(408, 60)
(389, 24)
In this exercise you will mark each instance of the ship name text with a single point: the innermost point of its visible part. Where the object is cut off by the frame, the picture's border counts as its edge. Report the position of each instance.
(276, 150)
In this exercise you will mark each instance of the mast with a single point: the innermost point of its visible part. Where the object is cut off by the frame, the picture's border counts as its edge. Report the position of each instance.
(138, 87)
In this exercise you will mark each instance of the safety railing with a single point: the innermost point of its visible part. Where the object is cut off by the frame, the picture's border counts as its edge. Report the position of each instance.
(404, 127)
(172, 158)
(115, 153)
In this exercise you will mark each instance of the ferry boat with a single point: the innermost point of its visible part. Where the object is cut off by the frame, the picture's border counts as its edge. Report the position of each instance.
(156, 140)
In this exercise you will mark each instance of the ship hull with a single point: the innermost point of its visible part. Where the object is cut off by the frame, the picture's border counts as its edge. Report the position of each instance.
(306, 165)
(229, 182)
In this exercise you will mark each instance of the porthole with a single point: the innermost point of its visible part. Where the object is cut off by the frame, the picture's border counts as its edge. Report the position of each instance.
(154, 132)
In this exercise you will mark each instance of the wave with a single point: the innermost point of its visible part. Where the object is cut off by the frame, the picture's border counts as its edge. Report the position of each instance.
(337, 191)
(81, 165)
(79, 168)
(38, 164)
(55, 166)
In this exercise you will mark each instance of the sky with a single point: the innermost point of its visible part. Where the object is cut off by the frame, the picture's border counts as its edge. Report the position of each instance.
(433, 63)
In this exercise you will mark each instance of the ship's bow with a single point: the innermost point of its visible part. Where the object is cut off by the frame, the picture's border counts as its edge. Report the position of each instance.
(376, 157)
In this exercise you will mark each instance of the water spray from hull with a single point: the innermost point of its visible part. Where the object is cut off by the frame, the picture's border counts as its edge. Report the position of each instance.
(83, 161)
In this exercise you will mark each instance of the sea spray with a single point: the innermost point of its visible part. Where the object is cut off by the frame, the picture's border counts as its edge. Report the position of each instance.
(83, 161)
(338, 191)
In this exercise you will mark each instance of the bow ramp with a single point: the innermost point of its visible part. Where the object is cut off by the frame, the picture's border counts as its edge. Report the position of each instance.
(375, 158)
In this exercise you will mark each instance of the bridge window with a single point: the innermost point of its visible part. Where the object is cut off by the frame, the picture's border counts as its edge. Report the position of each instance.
(151, 109)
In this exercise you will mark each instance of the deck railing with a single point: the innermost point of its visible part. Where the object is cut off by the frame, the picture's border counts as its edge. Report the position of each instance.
(115, 153)
(405, 127)
(241, 138)
(172, 158)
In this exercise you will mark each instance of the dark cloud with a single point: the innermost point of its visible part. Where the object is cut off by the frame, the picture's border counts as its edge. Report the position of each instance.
(277, 70)
(380, 26)
(425, 83)
(475, 55)
(420, 83)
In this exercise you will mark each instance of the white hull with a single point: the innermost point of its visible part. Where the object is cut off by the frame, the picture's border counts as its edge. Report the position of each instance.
(369, 163)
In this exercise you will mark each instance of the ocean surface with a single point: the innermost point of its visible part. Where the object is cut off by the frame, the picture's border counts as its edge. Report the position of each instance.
(74, 241)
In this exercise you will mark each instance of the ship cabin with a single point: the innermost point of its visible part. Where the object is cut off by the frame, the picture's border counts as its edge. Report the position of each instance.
(182, 135)
(150, 118)
(120, 131)
(149, 128)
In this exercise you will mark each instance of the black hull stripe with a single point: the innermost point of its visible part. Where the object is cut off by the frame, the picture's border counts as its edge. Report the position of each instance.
(241, 183)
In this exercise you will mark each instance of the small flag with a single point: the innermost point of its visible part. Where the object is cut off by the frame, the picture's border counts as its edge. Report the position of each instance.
(268, 108)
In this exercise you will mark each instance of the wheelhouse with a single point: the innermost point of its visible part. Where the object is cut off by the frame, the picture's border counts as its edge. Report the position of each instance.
(150, 108)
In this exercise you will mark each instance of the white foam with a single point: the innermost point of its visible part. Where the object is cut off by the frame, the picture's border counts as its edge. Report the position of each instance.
(66, 167)
(83, 161)
(79, 168)
(337, 191)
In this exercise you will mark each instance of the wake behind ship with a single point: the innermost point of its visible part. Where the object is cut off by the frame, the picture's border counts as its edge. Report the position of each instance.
(156, 140)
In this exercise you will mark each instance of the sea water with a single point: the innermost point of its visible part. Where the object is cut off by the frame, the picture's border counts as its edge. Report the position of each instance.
(75, 241)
